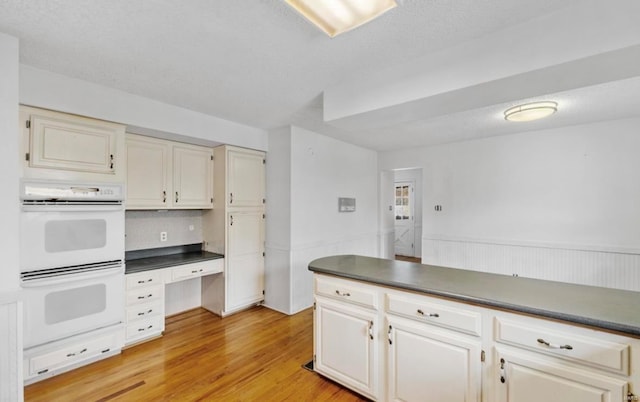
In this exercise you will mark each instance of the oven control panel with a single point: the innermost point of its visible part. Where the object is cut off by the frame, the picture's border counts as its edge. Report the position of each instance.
(71, 191)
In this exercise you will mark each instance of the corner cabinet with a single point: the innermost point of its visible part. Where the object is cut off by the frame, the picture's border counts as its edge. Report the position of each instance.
(235, 227)
(62, 146)
(164, 174)
(391, 344)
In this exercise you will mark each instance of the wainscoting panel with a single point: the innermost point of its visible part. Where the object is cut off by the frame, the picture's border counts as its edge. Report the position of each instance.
(588, 266)
(11, 351)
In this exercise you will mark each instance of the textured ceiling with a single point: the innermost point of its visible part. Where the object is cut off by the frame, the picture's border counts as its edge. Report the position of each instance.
(256, 62)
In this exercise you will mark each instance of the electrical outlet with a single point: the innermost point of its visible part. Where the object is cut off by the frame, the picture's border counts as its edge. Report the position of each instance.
(191, 228)
(163, 236)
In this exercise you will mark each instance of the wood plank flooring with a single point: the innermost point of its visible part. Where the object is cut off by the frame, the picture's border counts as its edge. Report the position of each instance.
(255, 355)
(410, 259)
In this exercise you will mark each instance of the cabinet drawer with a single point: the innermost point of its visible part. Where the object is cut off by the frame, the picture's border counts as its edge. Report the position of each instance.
(144, 295)
(197, 269)
(73, 353)
(346, 291)
(142, 311)
(143, 279)
(564, 342)
(427, 310)
(145, 328)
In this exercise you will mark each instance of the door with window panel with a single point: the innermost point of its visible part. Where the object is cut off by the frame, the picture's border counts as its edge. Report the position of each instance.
(404, 219)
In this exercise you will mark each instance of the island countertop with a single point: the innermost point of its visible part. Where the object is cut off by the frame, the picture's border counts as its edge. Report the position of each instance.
(604, 308)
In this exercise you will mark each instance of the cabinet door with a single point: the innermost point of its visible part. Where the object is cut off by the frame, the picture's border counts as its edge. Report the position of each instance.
(245, 178)
(429, 364)
(245, 259)
(528, 377)
(73, 143)
(148, 167)
(192, 177)
(346, 344)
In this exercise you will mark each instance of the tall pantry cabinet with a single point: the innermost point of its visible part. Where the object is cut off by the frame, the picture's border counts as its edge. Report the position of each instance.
(235, 228)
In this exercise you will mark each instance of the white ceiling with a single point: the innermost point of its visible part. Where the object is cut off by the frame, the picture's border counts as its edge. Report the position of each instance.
(259, 63)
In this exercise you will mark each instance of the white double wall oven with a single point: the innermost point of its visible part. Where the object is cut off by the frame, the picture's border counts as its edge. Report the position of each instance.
(72, 258)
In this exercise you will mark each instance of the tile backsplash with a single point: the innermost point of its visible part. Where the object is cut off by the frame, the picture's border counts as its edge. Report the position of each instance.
(142, 228)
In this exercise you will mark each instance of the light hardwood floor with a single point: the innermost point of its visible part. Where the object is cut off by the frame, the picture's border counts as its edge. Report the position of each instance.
(409, 259)
(255, 355)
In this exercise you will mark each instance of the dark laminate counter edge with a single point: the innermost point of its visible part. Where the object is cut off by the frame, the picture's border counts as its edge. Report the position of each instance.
(150, 259)
(556, 304)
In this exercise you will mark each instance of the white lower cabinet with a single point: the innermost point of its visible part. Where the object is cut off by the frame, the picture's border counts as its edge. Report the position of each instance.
(346, 349)
(57, 357)
(432, 349)
(145, 306)
(525, 377)
(422, 358)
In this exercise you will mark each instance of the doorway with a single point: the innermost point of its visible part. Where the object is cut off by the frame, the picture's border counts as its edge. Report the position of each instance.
(407, 213)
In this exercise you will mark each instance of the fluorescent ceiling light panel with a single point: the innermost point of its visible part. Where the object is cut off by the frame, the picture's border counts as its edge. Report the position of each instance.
(337, 16)
(531, 111)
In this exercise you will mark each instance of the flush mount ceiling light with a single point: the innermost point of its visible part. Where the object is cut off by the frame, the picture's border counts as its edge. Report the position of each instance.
(531, 111)
(337, 16)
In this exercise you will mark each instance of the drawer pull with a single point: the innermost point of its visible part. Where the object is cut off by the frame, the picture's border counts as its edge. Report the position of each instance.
(554, 345)
(196, 271)
(146, 312)
(79, 353)
(345, 294)
(145, 297)
(422, 313)
(147, 281)
(144, 329)
(371, 330)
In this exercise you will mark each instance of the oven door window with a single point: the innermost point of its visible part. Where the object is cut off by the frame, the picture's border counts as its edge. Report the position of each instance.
(71, 235)
(74, 303)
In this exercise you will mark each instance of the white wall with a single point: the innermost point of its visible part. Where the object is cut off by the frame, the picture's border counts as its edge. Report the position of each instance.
(10, 309)
(143, 115)
(557, 204)
(322, 170)
(278, 222)
(9, 164)
(312, 171)
(386, 215)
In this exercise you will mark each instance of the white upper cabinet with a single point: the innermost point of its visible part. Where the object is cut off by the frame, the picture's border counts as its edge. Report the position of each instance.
(192, 176)
(245, 178)
(148, 172)
(67, 147)
(168, 175)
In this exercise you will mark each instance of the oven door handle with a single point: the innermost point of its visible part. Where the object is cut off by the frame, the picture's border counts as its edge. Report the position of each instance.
(70, 278)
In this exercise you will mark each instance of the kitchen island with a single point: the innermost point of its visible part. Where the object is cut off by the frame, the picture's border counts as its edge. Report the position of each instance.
(392, 330)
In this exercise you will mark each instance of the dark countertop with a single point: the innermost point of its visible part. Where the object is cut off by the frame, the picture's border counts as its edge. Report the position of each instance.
(609, 309)
(156, 258)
